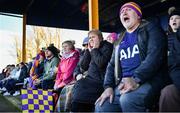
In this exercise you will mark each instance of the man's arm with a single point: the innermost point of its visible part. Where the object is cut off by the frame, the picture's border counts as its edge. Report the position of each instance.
(156, 54)
(109, 80)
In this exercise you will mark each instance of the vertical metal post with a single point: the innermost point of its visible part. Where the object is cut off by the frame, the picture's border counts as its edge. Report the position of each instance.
(93, 14)
(24, 39)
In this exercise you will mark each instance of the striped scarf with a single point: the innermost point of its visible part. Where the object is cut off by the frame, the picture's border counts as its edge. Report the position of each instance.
(33, 75)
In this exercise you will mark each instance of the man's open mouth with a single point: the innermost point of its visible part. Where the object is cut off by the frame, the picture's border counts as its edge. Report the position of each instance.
(174, 24)
(126, 19)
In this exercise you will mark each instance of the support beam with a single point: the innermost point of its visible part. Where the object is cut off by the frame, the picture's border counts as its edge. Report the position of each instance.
(24, 39)
(93, 14)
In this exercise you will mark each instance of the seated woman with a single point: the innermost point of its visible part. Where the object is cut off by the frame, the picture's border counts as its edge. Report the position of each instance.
(69, 60)
(64, 101)
(88, 89)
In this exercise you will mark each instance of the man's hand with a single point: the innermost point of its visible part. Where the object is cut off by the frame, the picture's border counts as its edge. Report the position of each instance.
(36, 82)
(121, 86)
(128, 85)
(90, 45)
(108, 93)
(96, 44)
(55, 87)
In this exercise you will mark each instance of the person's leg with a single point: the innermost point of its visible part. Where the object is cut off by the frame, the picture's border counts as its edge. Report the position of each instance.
(10, 86)
(174, 74)
(4, 85)
(47, 84)
(134, 101)
(55, 95)
(86, 91)
(110, 107)
(82, 107)
(1, 84)
(5, 82)
(169, 99)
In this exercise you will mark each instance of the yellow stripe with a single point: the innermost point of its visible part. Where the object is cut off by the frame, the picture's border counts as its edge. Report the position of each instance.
(134, 5)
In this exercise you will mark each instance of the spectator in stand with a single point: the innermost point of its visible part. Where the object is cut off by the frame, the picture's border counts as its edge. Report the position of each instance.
(29, 65)
(80, 70)
(5, 72)
(18, 77)
(69, 60)
(170, 95)
(112, 37)
(64, 101)
(11, 70)
(37, 69)
(137, 69)
(86, 90)
(51, 63)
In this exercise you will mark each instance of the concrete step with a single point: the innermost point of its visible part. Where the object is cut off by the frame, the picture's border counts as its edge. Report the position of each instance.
(10, 103)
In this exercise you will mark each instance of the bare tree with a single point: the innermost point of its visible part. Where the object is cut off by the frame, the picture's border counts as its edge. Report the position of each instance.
(17, 45)
(42, 37)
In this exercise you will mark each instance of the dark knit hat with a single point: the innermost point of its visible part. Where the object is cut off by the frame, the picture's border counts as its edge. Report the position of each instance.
(173, 11)
(53, 49)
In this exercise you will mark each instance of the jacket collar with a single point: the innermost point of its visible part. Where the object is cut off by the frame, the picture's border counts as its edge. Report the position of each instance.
(68, 55)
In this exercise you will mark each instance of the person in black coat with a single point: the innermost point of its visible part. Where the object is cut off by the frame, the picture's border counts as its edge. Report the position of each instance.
(81, 71)
(96, 58)
(170, 95)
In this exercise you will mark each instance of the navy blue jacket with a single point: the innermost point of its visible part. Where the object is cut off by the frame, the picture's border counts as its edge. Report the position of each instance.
(81, 67)
(23, 74)
(152, 44)
(174, 60)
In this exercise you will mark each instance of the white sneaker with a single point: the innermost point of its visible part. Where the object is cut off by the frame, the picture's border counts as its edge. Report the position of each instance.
(3, 89)
(6, 94)
(16, 93)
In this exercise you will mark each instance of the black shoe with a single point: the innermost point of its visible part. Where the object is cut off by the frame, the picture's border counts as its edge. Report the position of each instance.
(12, 92)
(2, 92)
